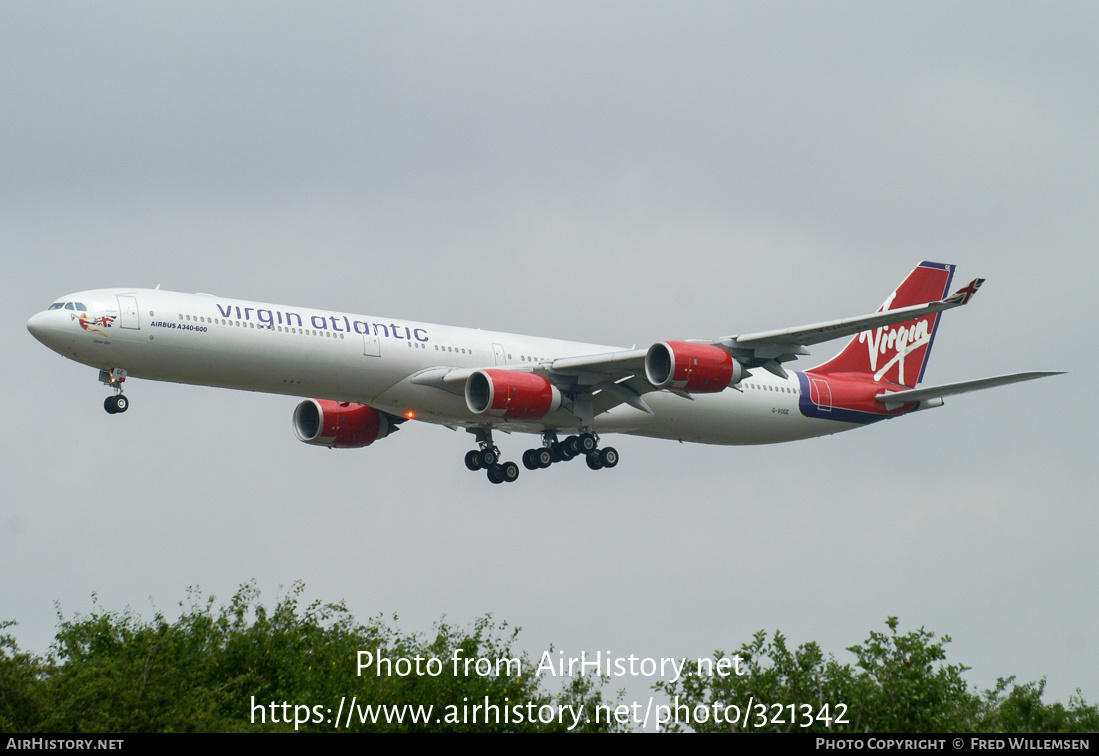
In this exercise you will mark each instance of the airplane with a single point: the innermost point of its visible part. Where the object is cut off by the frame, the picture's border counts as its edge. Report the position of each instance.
(372, 374)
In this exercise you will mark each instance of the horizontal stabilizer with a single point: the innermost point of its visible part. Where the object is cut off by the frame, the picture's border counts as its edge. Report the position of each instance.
(897, 398)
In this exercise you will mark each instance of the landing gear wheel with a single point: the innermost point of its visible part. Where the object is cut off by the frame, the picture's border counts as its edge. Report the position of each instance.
(608, 456)
(494, 474)
(544, 457)
(572, 443)
(593, 461)
(586, 443)
(509, 471)
(115, 404)
(529, 460)
(564, 451)
(473, 460)
(488, 458)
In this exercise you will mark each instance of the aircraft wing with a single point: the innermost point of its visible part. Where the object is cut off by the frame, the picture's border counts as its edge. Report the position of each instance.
(767, 349)
(770, 345)
(565, 373)
(894, 399)
(606, 380)
(596, 383)
(612, 363)
(835, 329)
(592, 384)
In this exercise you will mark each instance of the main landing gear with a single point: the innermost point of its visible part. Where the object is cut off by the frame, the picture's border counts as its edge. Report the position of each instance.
(114, 378)
(586, 444)
(487, 456)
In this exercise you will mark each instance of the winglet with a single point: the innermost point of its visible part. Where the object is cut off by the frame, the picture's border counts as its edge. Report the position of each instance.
(966, 293)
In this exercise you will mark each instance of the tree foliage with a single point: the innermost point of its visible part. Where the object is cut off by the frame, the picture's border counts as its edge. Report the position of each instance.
(221, 669)
(899, 683)
(230, 668)
(907, 686)
(1021, 709)
(20, 687)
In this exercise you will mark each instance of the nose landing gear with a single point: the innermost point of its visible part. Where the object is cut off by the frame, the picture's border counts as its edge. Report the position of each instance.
(114, 378)
(115, 404)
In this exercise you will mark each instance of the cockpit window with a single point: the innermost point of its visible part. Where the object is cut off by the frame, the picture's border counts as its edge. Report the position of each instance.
(69, 306)
(80, 307)
(57, 305)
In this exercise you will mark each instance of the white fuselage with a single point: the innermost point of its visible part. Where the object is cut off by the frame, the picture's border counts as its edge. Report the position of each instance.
(303, 352)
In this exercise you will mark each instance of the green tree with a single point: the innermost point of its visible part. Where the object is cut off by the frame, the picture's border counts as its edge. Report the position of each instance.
(771, 674)
(232, 668)
(899, 683)
(906, 685)
(20, 685)
(1021, 710)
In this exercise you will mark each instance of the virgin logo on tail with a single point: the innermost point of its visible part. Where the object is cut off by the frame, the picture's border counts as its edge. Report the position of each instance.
(902, 341)
(883, 353)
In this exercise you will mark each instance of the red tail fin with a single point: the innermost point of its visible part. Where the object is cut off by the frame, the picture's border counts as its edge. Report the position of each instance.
(897, 353)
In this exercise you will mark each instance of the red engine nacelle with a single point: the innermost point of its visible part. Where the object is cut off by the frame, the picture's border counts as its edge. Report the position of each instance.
(339, 425)
(511, 394)
(693, 368)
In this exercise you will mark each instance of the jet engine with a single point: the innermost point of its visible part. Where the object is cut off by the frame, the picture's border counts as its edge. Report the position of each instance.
(339, 425)
(692, 368)
(511, 394)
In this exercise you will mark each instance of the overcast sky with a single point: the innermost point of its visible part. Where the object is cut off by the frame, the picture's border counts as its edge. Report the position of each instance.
(616, 173)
